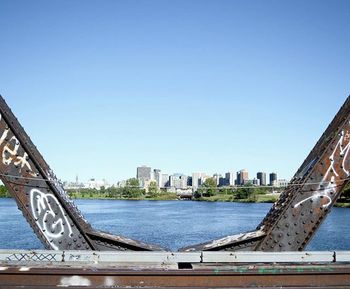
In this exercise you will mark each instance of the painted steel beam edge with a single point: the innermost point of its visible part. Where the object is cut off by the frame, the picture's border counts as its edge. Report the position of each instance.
(93, 257)
(269, 257)
(342, 256)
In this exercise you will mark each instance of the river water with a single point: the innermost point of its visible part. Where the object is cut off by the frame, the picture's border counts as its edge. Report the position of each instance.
(171, 224)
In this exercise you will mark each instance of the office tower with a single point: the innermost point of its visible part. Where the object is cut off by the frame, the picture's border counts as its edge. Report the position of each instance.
(189, 181)
(261, 176)
(157, 176)
(230, 179)
(172, 181)
(256, 182)
(273, 179)
(178, 181)
(197, 179)
(216, 178)
(223, 182)
(242, 177)
(164, 181)
(183, 181)
(143, 174)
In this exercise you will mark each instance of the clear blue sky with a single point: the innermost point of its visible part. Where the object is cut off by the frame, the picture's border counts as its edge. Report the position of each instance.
(105, 86)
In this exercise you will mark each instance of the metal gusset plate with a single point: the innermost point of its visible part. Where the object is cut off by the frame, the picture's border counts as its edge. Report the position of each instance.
(40, 196)
(301, 208)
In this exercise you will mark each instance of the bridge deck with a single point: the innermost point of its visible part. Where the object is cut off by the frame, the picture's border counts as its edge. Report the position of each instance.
(81, 269)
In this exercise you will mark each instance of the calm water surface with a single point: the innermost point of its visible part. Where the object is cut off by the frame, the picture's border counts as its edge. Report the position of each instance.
(171, 224)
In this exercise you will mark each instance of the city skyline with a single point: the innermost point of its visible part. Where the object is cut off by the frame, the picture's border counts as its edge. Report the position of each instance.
(182, 85)
(146, 175)
(133, 174)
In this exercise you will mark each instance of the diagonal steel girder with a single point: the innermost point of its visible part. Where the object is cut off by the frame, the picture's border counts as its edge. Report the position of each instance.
(298, 213)
(40, 196)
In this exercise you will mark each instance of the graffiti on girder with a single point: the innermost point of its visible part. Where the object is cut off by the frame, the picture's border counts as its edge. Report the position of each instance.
(50, 216)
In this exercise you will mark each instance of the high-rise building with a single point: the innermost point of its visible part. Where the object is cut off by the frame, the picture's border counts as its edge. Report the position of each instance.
(242, 177)
(183, 181)
(178, 181)
(173, 181)
(230, 179)
(273, 179)
(256, 182)
(223, 182)
(164, 181)
(216, 178)
(197, 180)
(143, 174)
(157, 176)
(189, 181)
(261, 176)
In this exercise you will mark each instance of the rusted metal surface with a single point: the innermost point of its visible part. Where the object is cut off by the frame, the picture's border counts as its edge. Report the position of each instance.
(301, 208)
(241, 276)
(287, 277)
(40, 196)
(84, 269)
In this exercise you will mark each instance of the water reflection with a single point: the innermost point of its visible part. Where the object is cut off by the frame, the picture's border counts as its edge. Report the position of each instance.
(171, 224)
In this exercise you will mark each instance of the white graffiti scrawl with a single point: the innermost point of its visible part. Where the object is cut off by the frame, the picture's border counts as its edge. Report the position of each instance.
(10, 153)
(49, 216)
(328, 183)
(343, 152)
(324, 194)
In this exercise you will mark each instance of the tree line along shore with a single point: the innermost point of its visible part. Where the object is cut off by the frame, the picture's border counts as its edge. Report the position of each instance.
(207, 192)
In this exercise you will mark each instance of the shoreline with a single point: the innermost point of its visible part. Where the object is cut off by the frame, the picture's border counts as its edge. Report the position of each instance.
(203, 199)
